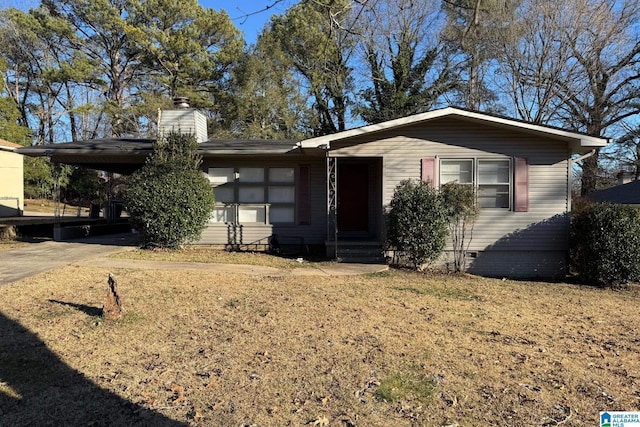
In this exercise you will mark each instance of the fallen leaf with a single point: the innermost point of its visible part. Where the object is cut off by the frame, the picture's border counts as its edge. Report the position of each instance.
(321, 422)
(179, 390)
(197, 416)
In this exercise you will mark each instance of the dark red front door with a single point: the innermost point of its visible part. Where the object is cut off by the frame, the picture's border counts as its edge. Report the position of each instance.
(353, 196)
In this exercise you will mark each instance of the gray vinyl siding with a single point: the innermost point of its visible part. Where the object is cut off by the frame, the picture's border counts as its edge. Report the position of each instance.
(312, 234)
(505, 243)
(544, 228)
(520, 264)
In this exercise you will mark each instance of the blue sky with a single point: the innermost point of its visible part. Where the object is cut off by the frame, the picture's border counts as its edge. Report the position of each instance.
(248, 15)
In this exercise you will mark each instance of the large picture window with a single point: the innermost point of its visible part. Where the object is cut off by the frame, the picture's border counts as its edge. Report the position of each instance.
(250, 195)
(491, 178)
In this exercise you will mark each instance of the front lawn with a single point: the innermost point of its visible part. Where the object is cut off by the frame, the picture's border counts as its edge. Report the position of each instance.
(391, 349)
(207, 254)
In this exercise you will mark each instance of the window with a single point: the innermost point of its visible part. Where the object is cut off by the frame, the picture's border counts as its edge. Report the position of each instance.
(281, 175)
(220, 175)
(250, 175)
(460, 171)
(493, 183)
(250, 195)
(491, 177)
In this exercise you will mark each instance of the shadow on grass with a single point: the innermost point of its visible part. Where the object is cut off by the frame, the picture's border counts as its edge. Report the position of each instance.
(38, 389)
(86, 309)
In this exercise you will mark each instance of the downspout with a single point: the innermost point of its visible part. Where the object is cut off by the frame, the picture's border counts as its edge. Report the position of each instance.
(158, 124)
(570, 172)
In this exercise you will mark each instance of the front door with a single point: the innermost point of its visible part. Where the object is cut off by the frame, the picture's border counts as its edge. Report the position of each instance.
(353, 197)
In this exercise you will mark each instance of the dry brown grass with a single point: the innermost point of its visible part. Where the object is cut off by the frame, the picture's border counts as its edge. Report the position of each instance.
(207, 254)
(7, 245)
(39, 205)
(230, 350)
(47, 207)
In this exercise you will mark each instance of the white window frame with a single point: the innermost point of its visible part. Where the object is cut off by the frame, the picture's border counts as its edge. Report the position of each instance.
(508, 184)
(476, 161)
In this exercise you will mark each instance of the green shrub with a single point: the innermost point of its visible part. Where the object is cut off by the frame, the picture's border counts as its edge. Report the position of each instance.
(417, 222)
(168, 199)
(605, 244)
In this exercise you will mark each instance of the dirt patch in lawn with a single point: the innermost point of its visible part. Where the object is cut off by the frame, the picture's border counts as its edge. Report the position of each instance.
(394, 348)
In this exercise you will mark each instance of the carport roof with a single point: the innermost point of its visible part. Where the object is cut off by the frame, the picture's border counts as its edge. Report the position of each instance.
(124, 155)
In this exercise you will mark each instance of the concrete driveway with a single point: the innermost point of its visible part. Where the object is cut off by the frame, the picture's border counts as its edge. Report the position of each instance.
(23, 262)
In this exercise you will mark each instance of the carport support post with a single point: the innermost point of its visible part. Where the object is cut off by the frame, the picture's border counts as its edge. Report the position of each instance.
(57, 171)
(332, 204)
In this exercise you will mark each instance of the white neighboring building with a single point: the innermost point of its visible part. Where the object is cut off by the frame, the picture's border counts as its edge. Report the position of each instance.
(11, 180)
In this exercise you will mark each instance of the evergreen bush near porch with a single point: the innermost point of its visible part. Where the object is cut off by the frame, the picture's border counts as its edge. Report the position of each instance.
(417, 222)
(168, 199)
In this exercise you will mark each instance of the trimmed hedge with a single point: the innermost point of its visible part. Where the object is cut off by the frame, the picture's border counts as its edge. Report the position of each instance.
(605, 244)
(417, 222)
(168, 199)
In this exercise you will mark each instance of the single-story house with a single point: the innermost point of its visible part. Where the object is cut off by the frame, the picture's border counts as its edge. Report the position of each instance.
(333, 191)
(11, 180)
(627, 192)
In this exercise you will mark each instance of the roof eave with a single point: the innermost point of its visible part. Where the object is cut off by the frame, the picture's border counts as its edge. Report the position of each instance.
(579, 143)
(586, 144)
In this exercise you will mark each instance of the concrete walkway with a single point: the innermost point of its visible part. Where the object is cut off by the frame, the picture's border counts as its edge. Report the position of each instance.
(26, 261)
(333, 269)
(35, 258)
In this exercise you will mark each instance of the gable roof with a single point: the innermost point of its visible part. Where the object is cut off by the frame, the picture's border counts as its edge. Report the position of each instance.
(579, 143)
(626, 194)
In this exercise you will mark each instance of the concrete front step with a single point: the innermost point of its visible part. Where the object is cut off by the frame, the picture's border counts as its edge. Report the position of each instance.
(362, 260)
(361, 252)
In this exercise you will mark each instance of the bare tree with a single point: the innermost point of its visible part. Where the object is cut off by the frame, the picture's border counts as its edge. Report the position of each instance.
(605, 45)
(577, 67)
(534, 61)
(626, 155)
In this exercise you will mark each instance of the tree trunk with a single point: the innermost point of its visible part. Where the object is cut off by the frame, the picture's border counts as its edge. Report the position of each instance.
(112, 308)
(589, 179)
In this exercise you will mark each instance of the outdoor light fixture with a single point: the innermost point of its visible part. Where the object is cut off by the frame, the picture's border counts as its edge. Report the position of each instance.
(236, 175)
